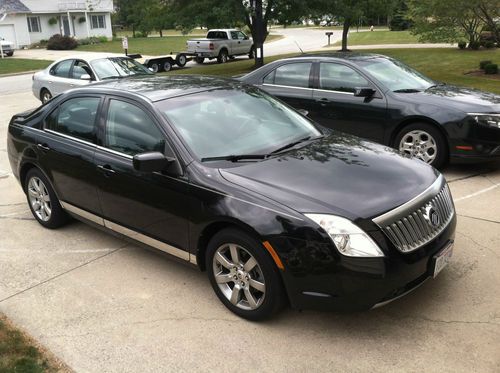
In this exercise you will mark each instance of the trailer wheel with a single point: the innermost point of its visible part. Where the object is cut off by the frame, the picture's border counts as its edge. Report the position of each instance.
(181, 60)
(155, 67)
(167, 66)
(199, 60)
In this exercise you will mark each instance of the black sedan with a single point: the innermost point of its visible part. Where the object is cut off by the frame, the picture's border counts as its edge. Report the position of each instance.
(228, 179)
(382, 99)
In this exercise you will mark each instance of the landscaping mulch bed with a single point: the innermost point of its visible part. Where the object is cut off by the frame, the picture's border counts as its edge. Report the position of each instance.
(482, 74)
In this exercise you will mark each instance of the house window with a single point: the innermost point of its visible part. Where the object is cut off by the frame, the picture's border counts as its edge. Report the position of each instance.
(34, 24)
(98, 21)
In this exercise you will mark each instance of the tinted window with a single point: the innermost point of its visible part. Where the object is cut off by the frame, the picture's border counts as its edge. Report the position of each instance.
(336, 77)
(76, 118)
(131, 131)
(292, 74)
(217, 35)
(234, 35)
(241, 35)
(62, 69)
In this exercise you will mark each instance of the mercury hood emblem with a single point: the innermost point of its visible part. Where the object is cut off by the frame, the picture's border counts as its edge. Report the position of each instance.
(431, 215)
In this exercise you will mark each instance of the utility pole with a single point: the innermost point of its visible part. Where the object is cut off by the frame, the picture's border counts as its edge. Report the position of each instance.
(258, 25)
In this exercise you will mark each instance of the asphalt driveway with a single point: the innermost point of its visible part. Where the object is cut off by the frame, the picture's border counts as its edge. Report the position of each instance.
(103, 305)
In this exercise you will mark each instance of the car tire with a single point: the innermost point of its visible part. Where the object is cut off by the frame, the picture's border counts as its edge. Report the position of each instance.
(42, 200)
(181, 60)
(223, 57)
(155, 67)
(167, 66)
(45, 95)
(251, 54)
(199, 60)
(423, 141)
(259, 290)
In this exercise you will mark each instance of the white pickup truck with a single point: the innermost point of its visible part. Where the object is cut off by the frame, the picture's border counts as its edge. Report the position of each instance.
(221, 44)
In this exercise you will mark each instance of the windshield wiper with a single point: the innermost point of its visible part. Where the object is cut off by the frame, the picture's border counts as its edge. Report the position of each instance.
(435, 85)
(407, 90)
(234, 157)
(292, 144)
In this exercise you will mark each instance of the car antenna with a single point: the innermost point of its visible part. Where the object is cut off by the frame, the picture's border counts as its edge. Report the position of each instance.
(298, 46)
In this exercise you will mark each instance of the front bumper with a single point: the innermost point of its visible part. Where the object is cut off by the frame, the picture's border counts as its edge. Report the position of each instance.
(472, 142)
(316, 277)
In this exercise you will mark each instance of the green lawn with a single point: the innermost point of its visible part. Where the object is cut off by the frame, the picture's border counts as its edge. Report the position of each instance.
(380, 37)
(148, 46)
(443, 64)
(11, 65)
(17, 353)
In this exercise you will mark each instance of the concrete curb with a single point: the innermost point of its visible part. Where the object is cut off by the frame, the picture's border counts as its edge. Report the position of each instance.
(19, 73)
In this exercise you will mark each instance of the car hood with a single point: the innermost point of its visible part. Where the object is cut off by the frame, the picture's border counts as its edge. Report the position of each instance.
(339, 174)
(463, 99)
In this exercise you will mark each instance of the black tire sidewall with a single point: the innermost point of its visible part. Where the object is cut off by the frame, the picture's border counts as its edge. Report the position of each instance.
(222, 54)
(42, 94)
(58, 216)
(442, 156)
(275, 296)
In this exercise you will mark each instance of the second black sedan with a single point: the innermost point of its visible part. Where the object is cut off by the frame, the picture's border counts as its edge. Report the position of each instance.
(382, 99)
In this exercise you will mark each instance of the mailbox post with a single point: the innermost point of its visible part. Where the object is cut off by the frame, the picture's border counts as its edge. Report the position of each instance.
(329, 34)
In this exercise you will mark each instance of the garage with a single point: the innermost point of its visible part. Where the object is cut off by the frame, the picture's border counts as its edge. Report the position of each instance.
(8, 33)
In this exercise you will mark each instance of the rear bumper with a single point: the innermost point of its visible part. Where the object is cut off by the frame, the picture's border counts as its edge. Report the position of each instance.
(350, 284)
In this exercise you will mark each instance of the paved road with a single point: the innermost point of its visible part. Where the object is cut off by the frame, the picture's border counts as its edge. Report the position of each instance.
(103, 305)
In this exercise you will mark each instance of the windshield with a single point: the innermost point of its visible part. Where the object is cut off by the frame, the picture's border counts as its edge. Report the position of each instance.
(118, 67)
(224, 122)
(396, 75)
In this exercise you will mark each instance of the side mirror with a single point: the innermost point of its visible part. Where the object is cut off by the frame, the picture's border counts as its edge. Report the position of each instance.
(304, 112)
(85, 77)
(151, 162)
(245, 38)
(364, 92)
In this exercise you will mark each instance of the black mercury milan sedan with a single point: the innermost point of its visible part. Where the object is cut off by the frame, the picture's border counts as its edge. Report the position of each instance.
(383, 100)
(227, 178)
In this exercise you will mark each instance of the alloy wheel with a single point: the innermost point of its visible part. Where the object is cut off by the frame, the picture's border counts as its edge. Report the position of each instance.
(239, 276)
(39, 199)
(419, 144)
(46, 96)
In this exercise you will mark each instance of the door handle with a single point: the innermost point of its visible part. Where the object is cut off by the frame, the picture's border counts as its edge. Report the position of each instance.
(323, 101)
(107, 169)
(50, 81)
(44, 147)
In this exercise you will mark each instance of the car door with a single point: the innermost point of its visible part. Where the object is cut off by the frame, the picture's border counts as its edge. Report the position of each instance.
(336, 106)
(244, 42)
(150, 207)
(235, 43)
(292, 83)
(66, 149)
(60, 79)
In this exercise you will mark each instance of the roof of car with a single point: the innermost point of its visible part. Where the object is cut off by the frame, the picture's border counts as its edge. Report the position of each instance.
(86, 56)
(156, 88)
(353, 56)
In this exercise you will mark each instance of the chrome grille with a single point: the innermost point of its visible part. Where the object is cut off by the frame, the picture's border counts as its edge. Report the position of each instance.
(421, 220)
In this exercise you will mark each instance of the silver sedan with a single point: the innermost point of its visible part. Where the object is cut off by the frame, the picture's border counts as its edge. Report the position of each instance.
(77, 71)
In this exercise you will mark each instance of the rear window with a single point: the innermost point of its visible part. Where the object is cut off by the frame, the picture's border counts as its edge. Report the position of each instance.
(217, 35)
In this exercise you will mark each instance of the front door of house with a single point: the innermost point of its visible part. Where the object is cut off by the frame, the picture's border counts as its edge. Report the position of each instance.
(65, 26)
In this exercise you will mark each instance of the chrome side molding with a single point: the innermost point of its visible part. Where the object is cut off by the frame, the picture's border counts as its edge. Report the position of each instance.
(169, 249)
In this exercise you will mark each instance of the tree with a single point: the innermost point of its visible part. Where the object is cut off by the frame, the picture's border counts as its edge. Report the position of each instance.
(489, 12)
(446, 20)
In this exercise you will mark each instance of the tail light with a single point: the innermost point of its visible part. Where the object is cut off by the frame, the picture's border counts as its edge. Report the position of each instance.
(211, 46)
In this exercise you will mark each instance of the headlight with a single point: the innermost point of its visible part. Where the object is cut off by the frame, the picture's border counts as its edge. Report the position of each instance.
(488, 120)
(349, 239)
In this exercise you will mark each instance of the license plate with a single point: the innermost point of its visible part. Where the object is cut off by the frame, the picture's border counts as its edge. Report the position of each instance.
(442, 258)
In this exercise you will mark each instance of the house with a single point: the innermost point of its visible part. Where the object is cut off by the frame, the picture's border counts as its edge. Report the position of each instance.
(28, 21)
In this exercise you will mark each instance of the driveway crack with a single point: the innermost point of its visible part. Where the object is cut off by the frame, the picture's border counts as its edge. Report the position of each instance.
(63, 273)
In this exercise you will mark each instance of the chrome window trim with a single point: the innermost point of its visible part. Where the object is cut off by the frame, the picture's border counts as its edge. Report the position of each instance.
(332, 91)
(70, 137)
(286, 86)
(162, 246)
(114, 152)
(401, 211)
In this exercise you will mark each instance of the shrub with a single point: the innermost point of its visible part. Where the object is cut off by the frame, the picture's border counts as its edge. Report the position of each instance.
(492, 68)
(482, 64)
(88, 41)
(462, 44)
(52, 21)
(82, 20)
(489, 44)
(102, 39)
(474, 45)
(59, 42)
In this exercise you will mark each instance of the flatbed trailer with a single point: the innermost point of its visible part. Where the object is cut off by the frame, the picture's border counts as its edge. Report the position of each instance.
(165, 62)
